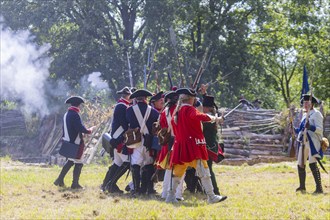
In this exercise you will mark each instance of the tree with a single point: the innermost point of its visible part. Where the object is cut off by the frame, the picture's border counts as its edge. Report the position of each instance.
(286, 41)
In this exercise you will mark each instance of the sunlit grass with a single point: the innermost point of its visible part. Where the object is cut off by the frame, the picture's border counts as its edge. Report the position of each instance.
(264, 191)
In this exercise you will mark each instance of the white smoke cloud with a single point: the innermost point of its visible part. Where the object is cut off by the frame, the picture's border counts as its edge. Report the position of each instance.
(24, 69)
(96, 81)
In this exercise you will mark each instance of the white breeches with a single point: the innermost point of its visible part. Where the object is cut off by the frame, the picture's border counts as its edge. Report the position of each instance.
(141, 156)
(119, 158)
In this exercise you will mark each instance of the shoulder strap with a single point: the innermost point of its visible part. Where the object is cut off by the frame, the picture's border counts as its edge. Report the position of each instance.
(168, 119)
(142, 121)
(65, 128)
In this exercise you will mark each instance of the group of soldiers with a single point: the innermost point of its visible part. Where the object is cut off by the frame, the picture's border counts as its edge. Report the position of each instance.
(179, 134)
(171, 126)
(175, 115)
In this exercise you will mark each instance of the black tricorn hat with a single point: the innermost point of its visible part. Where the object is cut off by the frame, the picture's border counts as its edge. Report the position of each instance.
(306, 97)
(75, 100)
(133, 89)
(124, 91)
(170, 95)
(208, 101)
(186, 91)
(157, 96)
(140, 93)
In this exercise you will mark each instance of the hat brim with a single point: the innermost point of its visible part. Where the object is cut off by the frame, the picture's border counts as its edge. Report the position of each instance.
(213, 105)
(156, 97)
(124, 91)
(307, 98)
(170, 95)
(74, 100)
(140, 93)
(186, 91)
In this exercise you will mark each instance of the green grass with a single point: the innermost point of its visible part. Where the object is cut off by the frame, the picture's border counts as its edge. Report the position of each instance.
(264, 191)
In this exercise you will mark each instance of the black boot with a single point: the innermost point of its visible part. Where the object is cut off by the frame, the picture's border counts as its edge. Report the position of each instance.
(302, 180)
(60, 179)
(317, 178)
(189, 178)
(112, 185)
(199, 187)
(150, 170)
(195, 183)
(76, 176)
(110, 174)
(214, 181)
(136, 179)
(144, 181)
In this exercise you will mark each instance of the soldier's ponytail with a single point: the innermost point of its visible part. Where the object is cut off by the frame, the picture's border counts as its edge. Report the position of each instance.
(182, 99)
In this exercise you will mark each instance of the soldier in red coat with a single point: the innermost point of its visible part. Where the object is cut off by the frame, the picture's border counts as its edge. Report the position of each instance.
(189, 148)
(164, 154)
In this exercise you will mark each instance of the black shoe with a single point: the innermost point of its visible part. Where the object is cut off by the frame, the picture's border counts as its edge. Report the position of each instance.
(300, 189)
(59, 183)
(318, 191)
(115, 189)
(102, 188)
(151, 192)
(76, 186)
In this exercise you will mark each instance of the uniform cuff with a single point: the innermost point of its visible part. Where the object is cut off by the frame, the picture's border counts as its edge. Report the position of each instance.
(312, 128)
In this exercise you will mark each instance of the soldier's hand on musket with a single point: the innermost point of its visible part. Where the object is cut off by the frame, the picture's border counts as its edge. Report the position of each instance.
(203, 89)
(92, 128)
(219, 120)
(307, 126)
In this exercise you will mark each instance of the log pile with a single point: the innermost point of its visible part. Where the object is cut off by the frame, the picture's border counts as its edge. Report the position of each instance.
(12, 123)
(253, 134)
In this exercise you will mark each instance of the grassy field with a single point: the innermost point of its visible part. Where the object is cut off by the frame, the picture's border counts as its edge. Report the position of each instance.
(263, 191)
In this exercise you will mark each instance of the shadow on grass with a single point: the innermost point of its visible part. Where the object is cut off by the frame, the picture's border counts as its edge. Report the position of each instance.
(191, 200)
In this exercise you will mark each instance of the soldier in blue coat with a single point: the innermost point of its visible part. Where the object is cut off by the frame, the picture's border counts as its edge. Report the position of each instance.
(73, 129)
(142, 116)
(120, 153)
(312, 144)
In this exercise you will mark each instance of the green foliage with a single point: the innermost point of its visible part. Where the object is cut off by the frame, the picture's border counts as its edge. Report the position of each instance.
(258, 47)
(8, 105)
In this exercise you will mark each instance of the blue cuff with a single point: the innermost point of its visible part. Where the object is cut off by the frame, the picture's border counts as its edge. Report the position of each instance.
(312, 128)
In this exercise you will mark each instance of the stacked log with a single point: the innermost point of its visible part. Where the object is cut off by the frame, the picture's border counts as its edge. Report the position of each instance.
(253, 134)
(12, 123)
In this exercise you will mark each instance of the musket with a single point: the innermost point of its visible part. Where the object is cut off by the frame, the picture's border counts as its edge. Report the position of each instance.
(305, 139)
(293, 138)
(214, 81)
(145, 71)
(130, 71)
(149, 68)
(241, 102)
(200, 70)
(170, 79)
(173, 40)
(207, 85)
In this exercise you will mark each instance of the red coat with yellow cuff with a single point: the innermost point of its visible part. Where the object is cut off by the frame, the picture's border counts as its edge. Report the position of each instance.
(189, 144)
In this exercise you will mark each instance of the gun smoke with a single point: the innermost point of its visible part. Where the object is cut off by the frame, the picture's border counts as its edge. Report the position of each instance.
(25, 75)
(24, 69)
